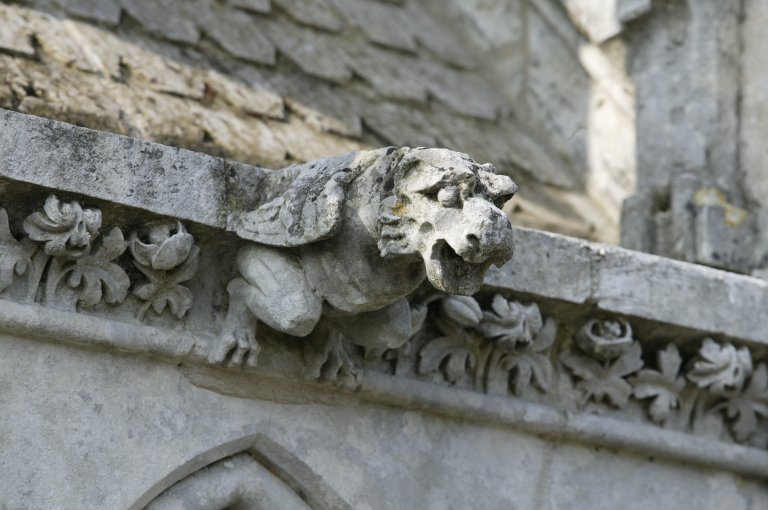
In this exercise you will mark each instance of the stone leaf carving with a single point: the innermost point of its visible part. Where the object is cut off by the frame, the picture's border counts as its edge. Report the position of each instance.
(356, 234)
(520, 340)
(167, 258)
(604, 380)
(497, 350)
(66, 228)
(454, 354)
(80, 265)
(95, 274)
(745, 407)
(720, 366)
(14, 258)
(663, 386)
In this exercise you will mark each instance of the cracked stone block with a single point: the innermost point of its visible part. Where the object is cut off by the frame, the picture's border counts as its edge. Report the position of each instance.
(101, 11)
(238, 34)
(314, 13)
(316, 53)
(15, 36)
(381, 23)
(169, 19)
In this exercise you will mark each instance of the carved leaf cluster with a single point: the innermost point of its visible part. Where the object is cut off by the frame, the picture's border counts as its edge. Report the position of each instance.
(662, 386)
(167, 259)
(500, 350)
(100, 278)
(14, 259)
(65, 256)
(605, 380)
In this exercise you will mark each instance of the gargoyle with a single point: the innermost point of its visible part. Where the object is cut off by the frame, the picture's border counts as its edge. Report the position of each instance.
(353, 235)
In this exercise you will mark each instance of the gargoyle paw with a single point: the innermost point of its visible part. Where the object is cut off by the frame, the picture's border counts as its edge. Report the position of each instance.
(235, 349)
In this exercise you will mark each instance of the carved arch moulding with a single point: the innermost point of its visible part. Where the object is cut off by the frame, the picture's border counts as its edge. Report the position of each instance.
(365, 272)
(252, 473)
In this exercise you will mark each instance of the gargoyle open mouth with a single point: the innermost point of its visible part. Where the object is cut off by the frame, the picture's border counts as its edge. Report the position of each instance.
(449, 272)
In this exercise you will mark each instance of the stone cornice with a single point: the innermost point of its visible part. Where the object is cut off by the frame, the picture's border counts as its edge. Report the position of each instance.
(570, 340)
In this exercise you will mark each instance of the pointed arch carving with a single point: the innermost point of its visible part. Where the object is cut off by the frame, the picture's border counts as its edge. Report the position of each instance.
(249, 473)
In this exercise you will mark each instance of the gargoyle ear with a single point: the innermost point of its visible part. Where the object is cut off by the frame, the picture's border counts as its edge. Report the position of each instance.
(498, 188)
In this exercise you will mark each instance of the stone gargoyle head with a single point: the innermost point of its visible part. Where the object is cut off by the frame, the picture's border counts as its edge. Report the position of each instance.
(436, 204)
(446, 208)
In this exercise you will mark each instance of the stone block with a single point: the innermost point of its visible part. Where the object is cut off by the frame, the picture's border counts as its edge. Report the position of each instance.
(238, 34)
(381, 23)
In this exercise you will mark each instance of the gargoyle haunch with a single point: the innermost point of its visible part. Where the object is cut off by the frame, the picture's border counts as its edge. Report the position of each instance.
(351, 236)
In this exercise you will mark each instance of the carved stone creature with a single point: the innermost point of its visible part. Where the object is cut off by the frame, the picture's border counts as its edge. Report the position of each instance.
(352, 235)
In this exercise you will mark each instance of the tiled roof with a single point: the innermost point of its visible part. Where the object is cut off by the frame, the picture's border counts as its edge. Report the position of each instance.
(269, 82)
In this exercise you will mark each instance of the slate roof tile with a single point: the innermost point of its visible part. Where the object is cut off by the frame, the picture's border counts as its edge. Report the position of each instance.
(464, 92)
(314, 13)
(169, 19)
(260, 6)
(382, 23)
(101, 11)
(392, 74)
(436, 37)
(320, 105)
(399, 125)
(236, 32)
(316, 53)
(15, 36)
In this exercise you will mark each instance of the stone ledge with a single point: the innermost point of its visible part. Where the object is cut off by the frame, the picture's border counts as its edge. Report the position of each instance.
(27, 321)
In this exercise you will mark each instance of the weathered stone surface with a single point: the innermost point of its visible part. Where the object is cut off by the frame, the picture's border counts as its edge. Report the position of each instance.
(67, 158)
(255, 100)
(16, 37)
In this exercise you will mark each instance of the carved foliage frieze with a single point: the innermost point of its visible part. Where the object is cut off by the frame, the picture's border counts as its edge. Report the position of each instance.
(507, 347)
(69, 263)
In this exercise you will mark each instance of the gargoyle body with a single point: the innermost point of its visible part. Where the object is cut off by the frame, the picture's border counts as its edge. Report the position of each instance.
(353, 235)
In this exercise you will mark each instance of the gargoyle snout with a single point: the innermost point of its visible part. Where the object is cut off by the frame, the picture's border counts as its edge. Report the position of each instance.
(482, 233)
